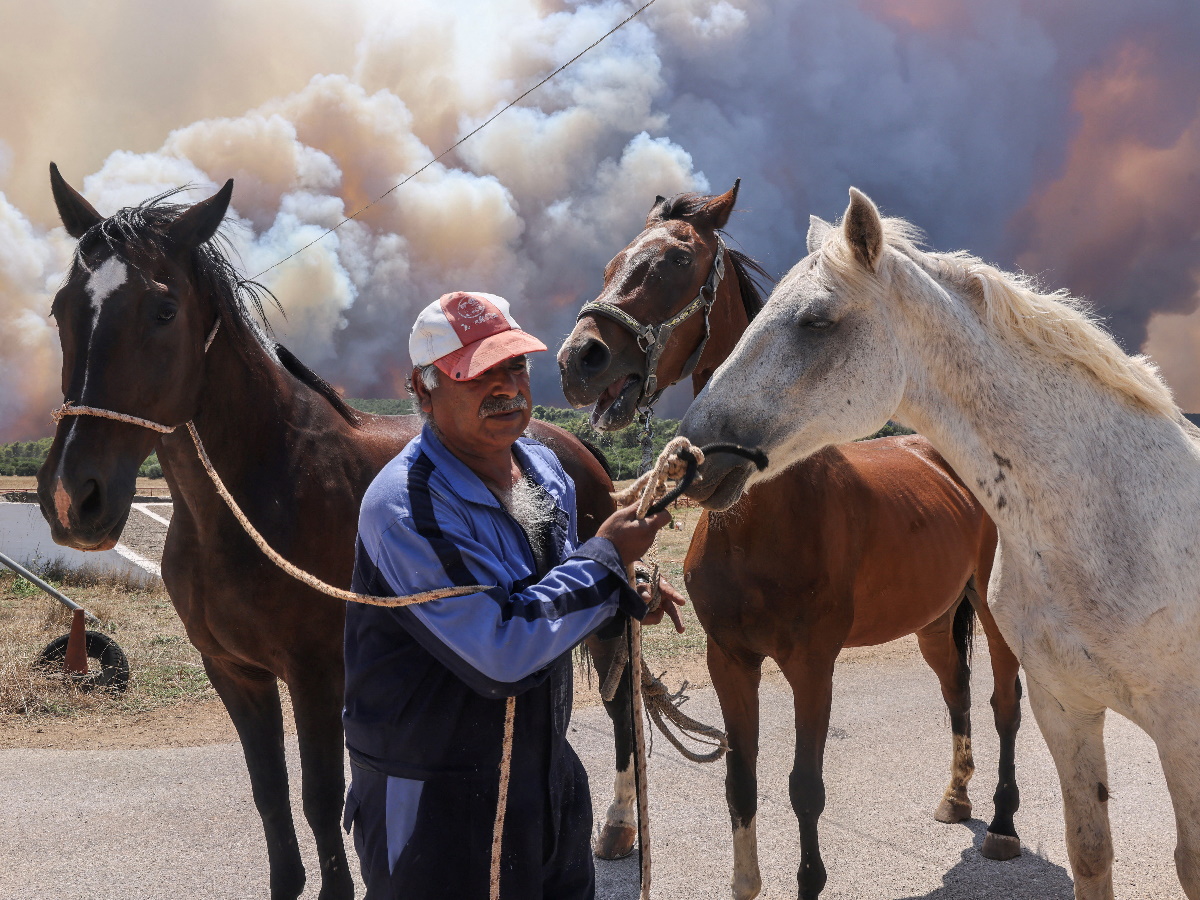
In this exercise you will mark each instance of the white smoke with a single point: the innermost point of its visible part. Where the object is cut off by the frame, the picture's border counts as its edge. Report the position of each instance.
(961, 117)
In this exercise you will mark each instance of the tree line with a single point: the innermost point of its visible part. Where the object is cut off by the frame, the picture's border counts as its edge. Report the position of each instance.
(622, 449)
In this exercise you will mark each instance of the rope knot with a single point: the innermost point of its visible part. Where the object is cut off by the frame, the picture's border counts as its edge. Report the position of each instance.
(671, 465)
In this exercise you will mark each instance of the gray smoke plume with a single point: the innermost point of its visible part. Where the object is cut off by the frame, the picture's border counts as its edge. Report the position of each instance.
(1063, 140)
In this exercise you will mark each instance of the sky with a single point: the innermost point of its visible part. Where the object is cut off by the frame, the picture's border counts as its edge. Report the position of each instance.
(1059, 138)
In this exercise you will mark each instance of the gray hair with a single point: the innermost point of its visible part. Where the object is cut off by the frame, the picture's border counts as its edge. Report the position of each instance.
(429, 380)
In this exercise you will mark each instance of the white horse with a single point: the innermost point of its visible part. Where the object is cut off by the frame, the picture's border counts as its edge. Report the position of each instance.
(1076, 450)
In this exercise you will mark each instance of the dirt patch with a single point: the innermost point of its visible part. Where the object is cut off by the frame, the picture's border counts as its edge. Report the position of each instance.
(191, 725)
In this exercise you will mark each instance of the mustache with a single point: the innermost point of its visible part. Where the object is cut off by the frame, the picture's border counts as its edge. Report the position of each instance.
(494, 406)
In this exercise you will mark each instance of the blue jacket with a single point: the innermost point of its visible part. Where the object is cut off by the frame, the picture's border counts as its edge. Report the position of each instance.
(425, 683)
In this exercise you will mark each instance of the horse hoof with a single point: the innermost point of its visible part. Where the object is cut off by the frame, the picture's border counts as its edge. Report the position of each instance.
(746, 887)
(950, 811)
(615, 841)
(1001, 846)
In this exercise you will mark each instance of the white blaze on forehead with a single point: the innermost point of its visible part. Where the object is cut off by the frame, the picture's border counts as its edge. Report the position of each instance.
(105, 280)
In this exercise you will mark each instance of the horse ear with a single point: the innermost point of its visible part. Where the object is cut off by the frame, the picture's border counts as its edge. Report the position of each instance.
(863, 229)
(657, 211)
(817, 229)
(200, 222)
(715, 213)
(76, 213)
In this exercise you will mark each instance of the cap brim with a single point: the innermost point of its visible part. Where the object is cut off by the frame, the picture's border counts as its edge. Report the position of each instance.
(474, 359)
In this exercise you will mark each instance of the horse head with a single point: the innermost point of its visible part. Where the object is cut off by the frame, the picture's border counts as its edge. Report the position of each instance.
(820, 365)
(653, 281)
(133, 327)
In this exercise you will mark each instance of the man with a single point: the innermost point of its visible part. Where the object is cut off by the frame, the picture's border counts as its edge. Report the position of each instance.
(472, 502)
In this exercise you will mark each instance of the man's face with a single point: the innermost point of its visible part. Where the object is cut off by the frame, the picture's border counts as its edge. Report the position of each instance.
(485, 415)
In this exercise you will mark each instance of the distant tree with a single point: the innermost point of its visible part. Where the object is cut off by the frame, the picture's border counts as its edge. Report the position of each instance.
(889, 430)
(383, 407)
(151, 467)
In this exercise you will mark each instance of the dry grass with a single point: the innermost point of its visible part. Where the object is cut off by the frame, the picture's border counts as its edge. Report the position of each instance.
(164, 667)
(662, 642)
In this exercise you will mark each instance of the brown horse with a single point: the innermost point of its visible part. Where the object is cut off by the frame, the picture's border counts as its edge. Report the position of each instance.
(145, 291)
(855, 546)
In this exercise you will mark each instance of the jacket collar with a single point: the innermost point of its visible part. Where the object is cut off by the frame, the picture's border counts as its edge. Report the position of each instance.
(469, 486)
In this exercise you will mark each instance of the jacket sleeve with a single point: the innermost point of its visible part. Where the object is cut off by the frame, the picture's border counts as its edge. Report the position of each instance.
(496, 640)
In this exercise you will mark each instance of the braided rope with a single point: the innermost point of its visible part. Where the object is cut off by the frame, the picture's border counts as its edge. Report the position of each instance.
(510, 712)
(661, 703)
(639, 762)
(299, 574)
(668, 467)
(70, 409)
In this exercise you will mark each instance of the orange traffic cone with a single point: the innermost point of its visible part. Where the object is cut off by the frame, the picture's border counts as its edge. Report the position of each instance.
(77, 659)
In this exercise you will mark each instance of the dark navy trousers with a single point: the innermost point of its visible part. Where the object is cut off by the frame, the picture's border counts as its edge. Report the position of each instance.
(431, 839)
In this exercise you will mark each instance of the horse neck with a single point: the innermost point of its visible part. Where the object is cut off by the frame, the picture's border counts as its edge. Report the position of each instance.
(1040, 443)
(727, 322)
(246, 403)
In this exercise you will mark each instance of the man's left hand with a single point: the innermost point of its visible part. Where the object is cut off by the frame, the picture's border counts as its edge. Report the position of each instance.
(671, 600)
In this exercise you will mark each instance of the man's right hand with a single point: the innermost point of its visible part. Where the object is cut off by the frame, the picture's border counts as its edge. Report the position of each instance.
(630, 535)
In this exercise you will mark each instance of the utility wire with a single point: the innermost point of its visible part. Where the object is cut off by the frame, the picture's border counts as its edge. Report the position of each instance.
(465, 137)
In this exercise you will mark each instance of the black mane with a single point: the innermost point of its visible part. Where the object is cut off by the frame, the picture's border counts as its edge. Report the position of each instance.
(141, 233)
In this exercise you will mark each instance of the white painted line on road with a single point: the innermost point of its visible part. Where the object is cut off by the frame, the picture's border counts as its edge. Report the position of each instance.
(138, 560)
(144, 507)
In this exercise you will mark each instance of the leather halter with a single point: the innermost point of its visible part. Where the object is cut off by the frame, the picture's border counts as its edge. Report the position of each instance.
(653, 340)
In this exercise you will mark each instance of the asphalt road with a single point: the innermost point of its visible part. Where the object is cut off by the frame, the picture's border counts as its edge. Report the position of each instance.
(151, 824)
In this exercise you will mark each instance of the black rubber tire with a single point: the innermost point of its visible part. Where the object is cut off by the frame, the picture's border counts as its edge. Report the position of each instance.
(108, 669)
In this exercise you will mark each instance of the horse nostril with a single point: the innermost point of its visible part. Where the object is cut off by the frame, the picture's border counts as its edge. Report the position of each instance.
(89, 501)
(594, 359)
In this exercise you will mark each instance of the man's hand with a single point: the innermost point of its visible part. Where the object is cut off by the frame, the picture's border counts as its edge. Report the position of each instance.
(670, 601)
(630, 535)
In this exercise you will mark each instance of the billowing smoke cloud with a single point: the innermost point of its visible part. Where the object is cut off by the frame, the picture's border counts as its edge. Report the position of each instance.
(1063, 140)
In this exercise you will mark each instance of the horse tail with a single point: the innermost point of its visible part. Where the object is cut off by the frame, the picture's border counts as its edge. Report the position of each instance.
(964, 622)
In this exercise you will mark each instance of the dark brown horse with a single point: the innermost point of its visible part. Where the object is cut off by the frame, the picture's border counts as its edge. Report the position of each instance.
(858, 545)
(145, 291)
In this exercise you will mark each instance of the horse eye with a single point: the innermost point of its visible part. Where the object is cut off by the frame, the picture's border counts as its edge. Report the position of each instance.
(166, 312)
(679, 259)
(815, 323)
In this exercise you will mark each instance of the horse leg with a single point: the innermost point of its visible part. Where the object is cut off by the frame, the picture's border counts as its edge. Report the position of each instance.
(1075, 737)
(736, 683)
(317, 705)
(251, 696)
(1177, 753)
(811, 679)
(1002, 841)
(944, 644)
(617, 836)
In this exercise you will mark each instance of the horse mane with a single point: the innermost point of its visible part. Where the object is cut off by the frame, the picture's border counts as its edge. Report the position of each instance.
(750, 274)
(1056, 324)
(317, 383)
(140, 232)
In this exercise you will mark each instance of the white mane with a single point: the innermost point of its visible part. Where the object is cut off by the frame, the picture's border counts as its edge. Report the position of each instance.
(1055, 324)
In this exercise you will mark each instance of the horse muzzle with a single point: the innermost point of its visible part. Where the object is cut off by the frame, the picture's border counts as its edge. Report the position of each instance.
(85, 509)
(592, 376)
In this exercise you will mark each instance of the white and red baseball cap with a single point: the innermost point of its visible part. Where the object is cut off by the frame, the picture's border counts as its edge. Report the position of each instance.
(465, 333)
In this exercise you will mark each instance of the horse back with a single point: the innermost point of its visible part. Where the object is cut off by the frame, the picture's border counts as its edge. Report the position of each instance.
(873, 540)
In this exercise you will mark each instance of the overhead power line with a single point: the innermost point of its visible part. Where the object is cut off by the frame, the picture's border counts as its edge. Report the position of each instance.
(465, 137)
